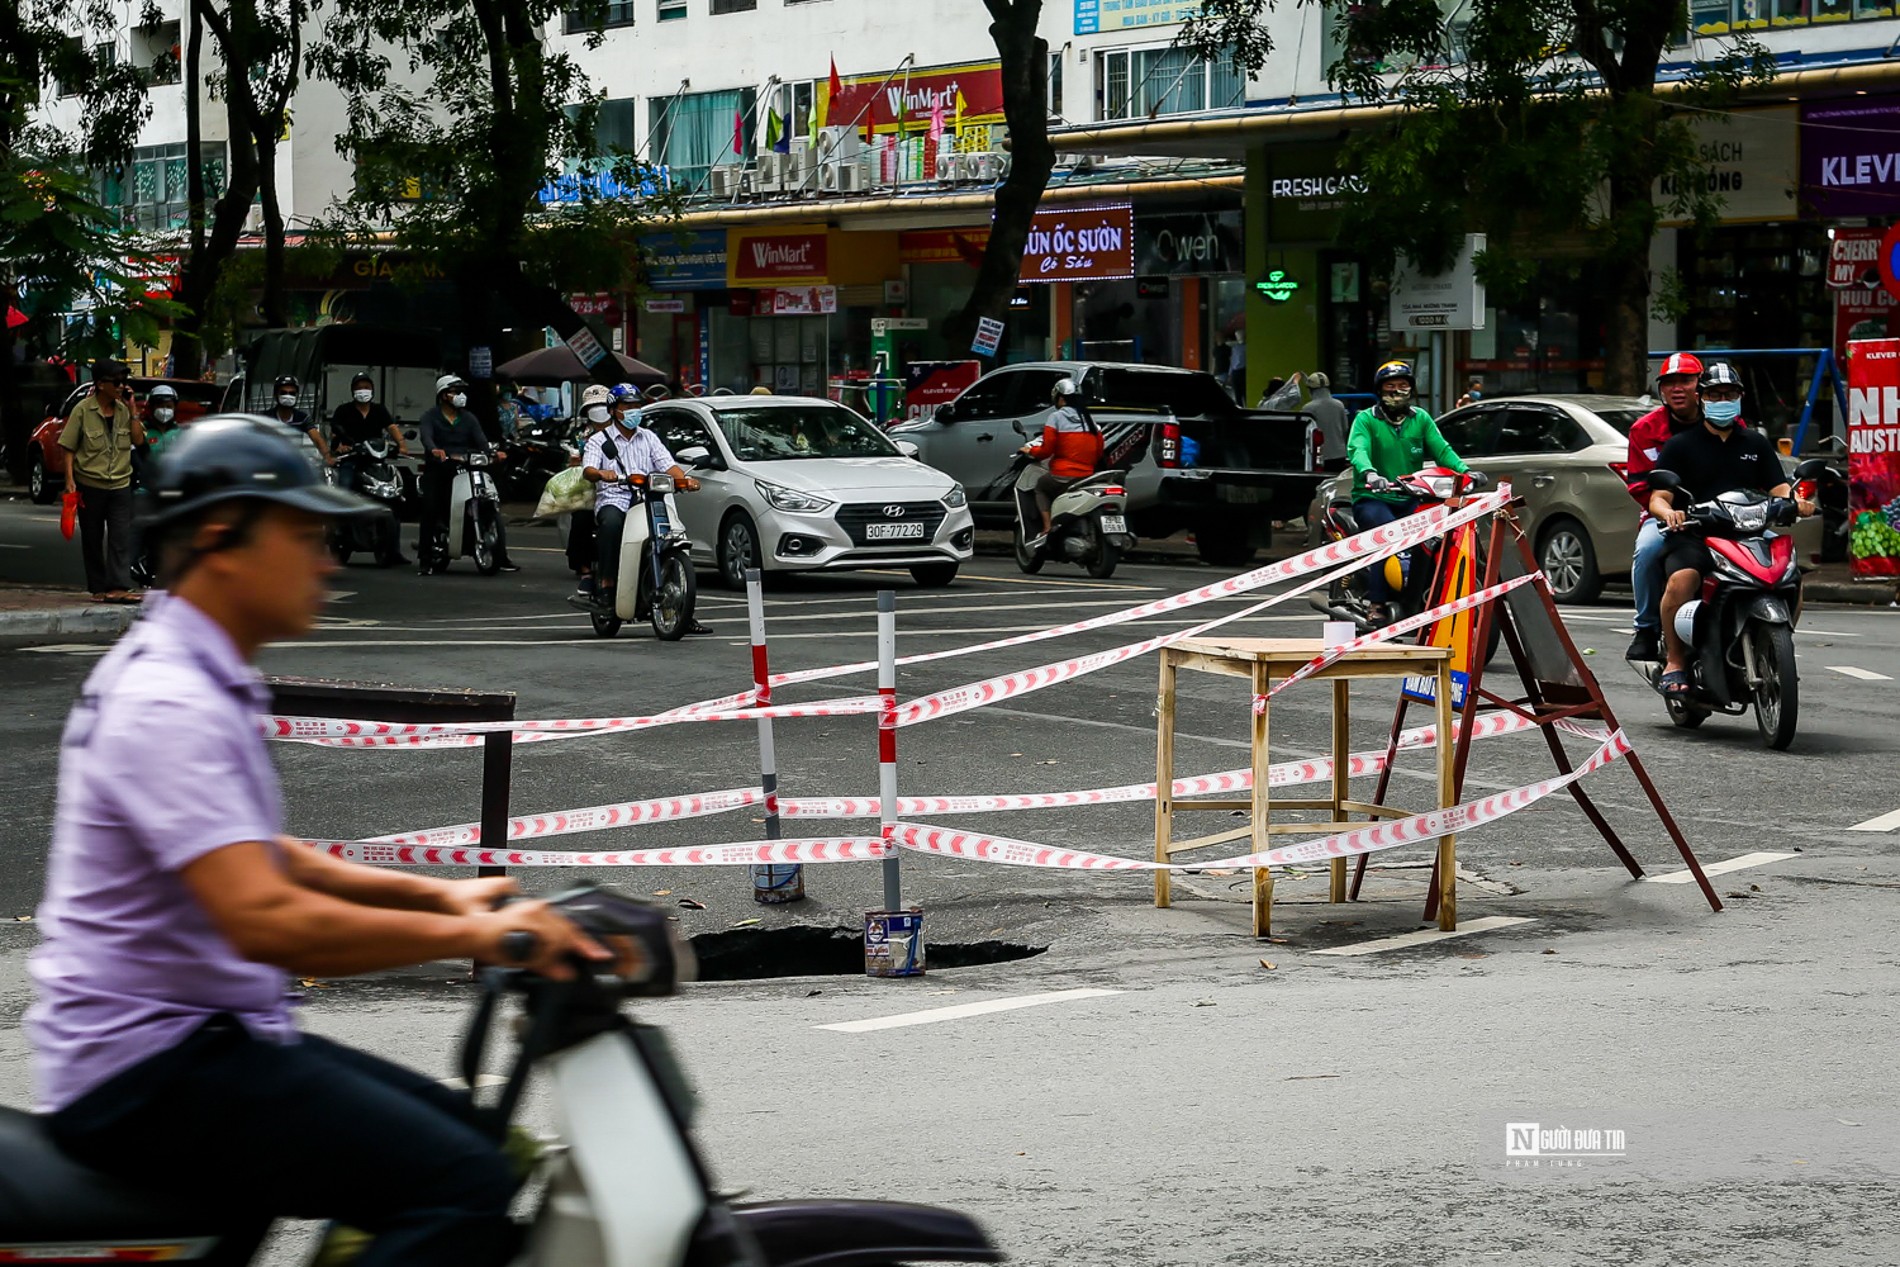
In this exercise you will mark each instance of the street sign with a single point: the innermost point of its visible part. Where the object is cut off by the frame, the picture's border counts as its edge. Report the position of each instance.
(1452, 300)
(989, 336)
(587, 347)
(481, 362)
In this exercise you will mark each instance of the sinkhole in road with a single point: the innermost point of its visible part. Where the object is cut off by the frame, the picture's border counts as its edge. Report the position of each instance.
(752, 954)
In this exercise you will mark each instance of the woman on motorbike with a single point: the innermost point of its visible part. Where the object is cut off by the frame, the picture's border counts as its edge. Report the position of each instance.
(1070, 447)
(1387, 442)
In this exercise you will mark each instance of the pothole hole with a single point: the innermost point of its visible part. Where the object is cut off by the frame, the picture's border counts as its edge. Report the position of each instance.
(755, 954)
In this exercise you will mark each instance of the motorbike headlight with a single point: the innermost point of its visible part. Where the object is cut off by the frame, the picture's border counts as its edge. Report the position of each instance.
(1442, 486)
(781, 498)
(1752, 518)
(955, 499)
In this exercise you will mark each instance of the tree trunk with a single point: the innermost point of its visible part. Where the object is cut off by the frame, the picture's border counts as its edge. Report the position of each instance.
(1025, 59)
(1625, 282)
(273, 305)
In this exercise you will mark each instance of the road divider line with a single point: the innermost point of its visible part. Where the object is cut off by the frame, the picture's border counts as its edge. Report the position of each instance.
(1886, 822)
(1743, 863)
(1864, 675)
(1425, 936)
(962, 1010)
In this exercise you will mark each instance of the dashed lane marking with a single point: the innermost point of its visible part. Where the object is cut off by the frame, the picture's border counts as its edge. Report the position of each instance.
(1886, 822)
(962, 1010)
(1723, 867)
(1864, 675)
(1425, 936)
(1022, 580)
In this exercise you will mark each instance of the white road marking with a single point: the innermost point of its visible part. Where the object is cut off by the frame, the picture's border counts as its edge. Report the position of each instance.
(1828, 633)
(962, 1010)
(1865, 675)
(1017, 580)
(13, 545)
(71, 648)
(1425, 936)
(1886, 822)
(1723, 867)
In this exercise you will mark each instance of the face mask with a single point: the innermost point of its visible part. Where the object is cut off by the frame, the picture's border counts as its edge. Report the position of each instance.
(597, 413)
(362, 395)
(1396, 398)
(459, 399)
(1722, 413)
(162, 414)
(287, 401)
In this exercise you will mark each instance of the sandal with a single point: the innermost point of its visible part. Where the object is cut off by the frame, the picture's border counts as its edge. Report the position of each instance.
(1675, 682)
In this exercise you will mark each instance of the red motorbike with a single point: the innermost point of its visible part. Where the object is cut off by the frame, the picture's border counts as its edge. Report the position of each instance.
(1408, 573)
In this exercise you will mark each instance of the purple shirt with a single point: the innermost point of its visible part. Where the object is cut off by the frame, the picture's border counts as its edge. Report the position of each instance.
(162, 762)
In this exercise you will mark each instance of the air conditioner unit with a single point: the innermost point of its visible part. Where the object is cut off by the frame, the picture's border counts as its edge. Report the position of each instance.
(988, 168)
(771, 174)
(254, 220)
(839, 143)
(853, 179)
(949, 167)
(726, 182)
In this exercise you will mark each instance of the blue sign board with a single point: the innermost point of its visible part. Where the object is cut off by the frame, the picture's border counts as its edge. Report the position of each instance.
(694, 260)
(1094, 16)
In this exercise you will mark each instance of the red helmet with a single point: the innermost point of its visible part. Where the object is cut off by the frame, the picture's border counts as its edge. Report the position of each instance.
(1680, 363)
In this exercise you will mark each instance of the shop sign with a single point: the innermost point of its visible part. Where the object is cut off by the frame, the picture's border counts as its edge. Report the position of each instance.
(760, 259)
(1850, 157)
(1153, 287)
(1191, 245)
(799, 301)
(1073, 244)
(665, 305)
(1306, 191)
(1095, 16)
(1452, 300)
(598, 304)
(904, 100)
(1853, 258)
(594, 187)
(1278, 286)
(1750, 164)
(686, 261)
(929, 385)
(943, 246)
(989, 336)
(896, 292)
(1873, 457)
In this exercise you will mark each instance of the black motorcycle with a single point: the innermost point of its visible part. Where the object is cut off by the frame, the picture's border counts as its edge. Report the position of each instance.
(366, 468)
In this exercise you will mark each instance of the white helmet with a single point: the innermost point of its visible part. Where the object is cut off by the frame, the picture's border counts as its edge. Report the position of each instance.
(447, 381)
(1065, 387)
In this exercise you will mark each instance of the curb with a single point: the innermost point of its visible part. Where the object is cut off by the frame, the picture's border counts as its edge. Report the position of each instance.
(1875, 594)
(96, 620)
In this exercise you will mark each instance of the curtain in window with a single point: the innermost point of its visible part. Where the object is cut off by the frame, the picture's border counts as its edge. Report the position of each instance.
(697, 132)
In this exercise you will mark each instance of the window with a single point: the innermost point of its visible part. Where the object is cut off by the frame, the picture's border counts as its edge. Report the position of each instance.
(103, 56)
(1055, 87)
(695, 132)
(156, 50)
(616, 13)
(985, 398)
(1471, 432)
(1139, 83)
(797, 433)
(734, 6)
(151, 192)
(670, 9)
(1532, 430)
(678, 430)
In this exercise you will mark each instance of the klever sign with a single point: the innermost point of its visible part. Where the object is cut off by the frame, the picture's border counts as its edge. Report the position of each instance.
(1194, 245)
(929, 385)
(1073, 244)
(1751, 165)
(778, 255)
(1452, 300)
(1850, 157)
(1873, 457)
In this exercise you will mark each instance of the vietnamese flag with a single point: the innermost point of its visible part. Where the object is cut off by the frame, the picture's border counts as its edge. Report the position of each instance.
(870, 120)
(836, 86)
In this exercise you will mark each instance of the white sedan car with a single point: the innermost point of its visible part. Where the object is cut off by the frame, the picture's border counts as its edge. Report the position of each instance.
(803, 484)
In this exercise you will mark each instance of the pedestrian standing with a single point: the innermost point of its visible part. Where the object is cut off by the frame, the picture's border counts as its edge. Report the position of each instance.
(1474, 392)
(1237, 365)
(1329, 414)
(99, 437)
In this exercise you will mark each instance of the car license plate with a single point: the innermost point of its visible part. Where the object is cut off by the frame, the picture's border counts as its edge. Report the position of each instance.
(894, 532)
(1114, 524)
(1236, 493)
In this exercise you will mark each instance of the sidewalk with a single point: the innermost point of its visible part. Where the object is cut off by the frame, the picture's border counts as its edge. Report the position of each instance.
(32, 611)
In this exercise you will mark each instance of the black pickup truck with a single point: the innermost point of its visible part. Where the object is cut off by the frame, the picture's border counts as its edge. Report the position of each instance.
(1195, 459)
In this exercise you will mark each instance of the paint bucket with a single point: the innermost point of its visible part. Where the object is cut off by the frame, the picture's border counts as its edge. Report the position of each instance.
(894, 943)
(774, 883)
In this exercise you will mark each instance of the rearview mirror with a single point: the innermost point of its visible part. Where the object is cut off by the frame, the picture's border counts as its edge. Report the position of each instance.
(1659, 479)
(1016, 425)
(1814, 469)
(946, 412)
(908, 449)
(696, 456)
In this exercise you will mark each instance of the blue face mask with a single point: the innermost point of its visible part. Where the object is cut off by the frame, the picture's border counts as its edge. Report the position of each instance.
(1722, 413)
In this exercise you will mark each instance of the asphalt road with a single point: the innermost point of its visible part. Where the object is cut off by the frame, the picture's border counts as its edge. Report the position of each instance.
(1202, 1107)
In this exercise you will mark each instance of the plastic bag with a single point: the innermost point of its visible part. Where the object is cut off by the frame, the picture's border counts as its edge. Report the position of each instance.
(68, 514)
(566, 492)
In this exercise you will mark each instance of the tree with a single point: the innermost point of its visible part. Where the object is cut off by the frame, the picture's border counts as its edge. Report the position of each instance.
(451, 157)
(1541, 123)
(1025, 68)
(60, 249)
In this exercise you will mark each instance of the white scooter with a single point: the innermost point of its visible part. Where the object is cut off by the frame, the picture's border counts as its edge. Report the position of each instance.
(1088, 521)
(656, 581)
(625, 1187)
(475, 513)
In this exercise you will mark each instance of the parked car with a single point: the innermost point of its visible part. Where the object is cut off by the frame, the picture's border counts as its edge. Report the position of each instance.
(1195, 459)
(1566, 456)
(798, 484)
(46, 461)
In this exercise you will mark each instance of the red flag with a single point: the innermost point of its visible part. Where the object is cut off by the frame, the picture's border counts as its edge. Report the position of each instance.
(837, 84)
(870, 120)
(738, 133)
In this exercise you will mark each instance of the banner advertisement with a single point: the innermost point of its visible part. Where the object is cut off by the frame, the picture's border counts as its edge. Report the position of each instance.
(906, 101)
(942, 246)
(1850, 156)
(930, 384)
(694, 260)
(1095, 16)
(1457, 578)
(1873, 457)
(799, 301)
(1075, 244)
(779, 255)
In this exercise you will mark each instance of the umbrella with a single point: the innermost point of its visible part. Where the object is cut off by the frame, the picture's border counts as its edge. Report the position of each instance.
(553, 366)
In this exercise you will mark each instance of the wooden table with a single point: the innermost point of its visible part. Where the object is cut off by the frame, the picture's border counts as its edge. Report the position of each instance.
(1260, 661)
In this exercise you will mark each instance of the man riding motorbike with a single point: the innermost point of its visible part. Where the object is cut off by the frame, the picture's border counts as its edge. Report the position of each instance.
(1681, 409)
(1720, 456)
(449, 430)
(359, 419)
(614, 455)
(1387, 442)
(1069, 447)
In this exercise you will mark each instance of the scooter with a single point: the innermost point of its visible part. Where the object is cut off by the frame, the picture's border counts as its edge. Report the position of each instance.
(474, 514)
(1410, 572)
(623, 1187)
(1088, 520)
(656, 582)
(1740, 628)
(372, 475)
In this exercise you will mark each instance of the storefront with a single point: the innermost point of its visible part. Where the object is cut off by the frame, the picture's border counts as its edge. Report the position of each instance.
(1184, 300)
(1084, 257)
(940, 268)
(798, 307)
(1310, 305)
(686, 280)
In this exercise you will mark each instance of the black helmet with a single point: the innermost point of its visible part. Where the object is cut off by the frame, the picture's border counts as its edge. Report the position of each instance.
(287, 381)
(1718, 374)
(232, 457)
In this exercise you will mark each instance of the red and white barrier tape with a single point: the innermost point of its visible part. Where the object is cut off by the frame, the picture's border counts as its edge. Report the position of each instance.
(1360, 546)
(337, 732)
(1369, 839)
(761, 853)
(592, 818)
(1387, 539)
(1397, 629)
